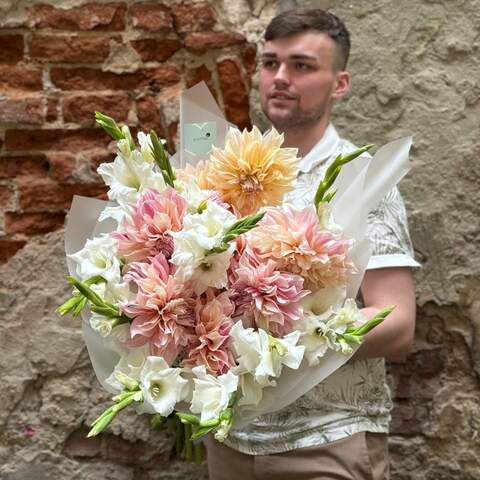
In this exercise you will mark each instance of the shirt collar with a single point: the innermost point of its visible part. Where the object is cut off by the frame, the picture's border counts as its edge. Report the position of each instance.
(323, 150)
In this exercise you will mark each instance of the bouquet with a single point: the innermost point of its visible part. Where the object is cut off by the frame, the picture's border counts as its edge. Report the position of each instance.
(206, 299)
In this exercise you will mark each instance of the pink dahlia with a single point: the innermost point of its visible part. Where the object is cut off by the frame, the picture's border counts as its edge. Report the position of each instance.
(213, 322)
(162, 311)
(146, 232)
(294, 240)
(265, 297)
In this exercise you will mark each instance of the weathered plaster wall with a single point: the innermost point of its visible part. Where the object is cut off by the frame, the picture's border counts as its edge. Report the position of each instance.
(415, 67)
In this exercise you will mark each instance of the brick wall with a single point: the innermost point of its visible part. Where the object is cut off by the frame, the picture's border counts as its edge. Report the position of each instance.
(130, 60)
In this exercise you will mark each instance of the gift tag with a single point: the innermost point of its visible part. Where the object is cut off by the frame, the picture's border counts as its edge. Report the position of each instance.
(198, 138)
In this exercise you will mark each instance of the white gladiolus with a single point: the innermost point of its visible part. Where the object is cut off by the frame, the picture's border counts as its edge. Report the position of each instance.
(277, 352)
(114, 293)
(145, 147)
(251, 389)
(321, 332)
(98, 257)
(263, 355)
(202, 232)
(129, 175)
(211, 394)
(212, 272)
(192, 193)
(129, 366)
(321, 300)
(162, 386)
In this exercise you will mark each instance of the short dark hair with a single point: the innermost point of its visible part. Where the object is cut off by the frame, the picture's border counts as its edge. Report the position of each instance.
(295, 21)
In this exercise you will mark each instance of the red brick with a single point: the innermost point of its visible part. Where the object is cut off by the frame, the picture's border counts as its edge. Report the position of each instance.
(7, 194)
(193, 17)
(203, 41)
(249, 55)
(48, 195)
(99, 157)
(151, 17)
(78, 445)
(81, 108)
(92, 79)
(17, 166)
(28, 110)
(11, 50)
(172, 136)
(55, 139)
(201, 73)
(91, 16)
(20, 78)
(8, 248)
(62, 166)
(235, 95)
(33, 223)
(52, 110)
(69, 49)
(156, 50)
(149, 116)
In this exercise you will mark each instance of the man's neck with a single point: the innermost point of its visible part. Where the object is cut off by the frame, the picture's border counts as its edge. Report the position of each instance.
(305, 137)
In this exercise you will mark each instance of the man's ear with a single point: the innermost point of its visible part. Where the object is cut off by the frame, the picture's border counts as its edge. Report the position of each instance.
(342, 86)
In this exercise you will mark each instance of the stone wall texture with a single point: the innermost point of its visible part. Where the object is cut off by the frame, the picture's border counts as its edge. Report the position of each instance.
(416, 70)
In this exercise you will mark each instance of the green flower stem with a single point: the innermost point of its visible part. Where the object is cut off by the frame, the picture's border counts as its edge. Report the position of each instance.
(188, 442)
(178, 437)
(197, 453)
(124, 400)
(323, 194)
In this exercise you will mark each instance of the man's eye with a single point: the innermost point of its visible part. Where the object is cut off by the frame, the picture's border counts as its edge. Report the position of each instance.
(302, 66)
(270, 64)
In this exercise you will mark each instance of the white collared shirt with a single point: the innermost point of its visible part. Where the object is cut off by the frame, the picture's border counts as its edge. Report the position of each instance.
(356, 397)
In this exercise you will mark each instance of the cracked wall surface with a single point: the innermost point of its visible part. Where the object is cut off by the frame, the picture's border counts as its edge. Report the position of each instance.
(415, 68)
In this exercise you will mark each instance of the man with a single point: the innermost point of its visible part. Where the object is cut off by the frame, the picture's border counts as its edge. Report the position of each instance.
(338, 429)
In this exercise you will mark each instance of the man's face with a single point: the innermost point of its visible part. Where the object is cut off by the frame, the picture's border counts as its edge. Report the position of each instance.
(298, 79)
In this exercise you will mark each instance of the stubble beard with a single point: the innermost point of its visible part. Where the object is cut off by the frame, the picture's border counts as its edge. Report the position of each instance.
(296, 119)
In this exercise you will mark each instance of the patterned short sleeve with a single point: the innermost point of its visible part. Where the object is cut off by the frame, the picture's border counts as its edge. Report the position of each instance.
(387, 229)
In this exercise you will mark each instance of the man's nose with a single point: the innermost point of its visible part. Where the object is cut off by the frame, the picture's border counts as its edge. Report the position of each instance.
(282, 76)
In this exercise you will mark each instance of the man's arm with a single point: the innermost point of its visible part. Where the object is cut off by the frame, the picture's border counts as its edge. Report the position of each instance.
(393, 338)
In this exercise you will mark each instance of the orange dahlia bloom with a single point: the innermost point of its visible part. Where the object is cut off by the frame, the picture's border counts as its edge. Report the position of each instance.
(253, 171)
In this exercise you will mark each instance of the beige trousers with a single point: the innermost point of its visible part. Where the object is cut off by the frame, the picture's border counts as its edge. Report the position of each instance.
(362, 456)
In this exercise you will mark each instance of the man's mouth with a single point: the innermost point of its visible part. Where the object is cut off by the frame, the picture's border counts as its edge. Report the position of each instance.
(281, 96)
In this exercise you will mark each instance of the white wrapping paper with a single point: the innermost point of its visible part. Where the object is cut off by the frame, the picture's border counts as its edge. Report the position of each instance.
(361, 185)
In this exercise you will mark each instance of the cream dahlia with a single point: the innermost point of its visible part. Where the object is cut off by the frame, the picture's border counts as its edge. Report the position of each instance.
(252, 171)
(294, 240)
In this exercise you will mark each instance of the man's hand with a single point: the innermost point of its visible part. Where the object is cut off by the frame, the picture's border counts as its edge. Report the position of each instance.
(394, 337)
